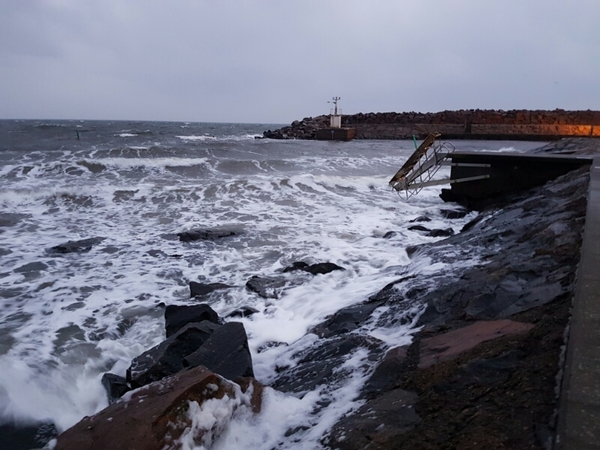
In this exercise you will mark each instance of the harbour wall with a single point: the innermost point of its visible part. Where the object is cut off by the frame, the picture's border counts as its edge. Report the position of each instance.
(460, 124)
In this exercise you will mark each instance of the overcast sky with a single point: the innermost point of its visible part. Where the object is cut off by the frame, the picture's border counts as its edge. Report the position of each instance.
(274, 61)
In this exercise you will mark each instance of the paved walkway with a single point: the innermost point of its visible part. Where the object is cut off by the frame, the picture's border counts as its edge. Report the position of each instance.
(579, 410)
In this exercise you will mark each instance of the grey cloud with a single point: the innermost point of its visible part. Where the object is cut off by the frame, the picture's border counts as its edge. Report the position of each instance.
(275, 61)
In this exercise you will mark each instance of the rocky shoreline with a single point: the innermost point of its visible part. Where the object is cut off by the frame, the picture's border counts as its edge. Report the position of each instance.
(483, 371)
(539, 125)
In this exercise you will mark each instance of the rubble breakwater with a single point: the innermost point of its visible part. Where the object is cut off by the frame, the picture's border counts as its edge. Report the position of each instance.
(468, 124)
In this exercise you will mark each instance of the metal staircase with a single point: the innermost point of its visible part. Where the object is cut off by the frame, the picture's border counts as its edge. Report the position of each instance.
(418, 170)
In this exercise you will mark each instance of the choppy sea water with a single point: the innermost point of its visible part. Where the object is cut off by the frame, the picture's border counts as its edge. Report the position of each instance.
(67, 319)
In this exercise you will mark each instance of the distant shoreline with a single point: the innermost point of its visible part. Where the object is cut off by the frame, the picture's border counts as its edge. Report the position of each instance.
(537, 125)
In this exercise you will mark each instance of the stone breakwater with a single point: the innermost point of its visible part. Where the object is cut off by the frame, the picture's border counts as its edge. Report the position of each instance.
(467, 124)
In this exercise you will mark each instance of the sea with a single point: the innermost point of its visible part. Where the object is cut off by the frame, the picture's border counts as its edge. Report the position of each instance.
(66, 319)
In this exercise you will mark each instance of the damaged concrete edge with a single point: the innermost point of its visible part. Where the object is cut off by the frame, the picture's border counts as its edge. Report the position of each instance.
(579, 404)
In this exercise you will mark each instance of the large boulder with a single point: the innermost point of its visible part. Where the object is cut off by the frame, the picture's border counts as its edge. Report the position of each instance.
(178, 316)
(225, 352)
(221, 348)
(165, 414)
(167, 357)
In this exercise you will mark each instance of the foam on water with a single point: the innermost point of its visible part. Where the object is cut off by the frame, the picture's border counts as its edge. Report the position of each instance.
(69, 318)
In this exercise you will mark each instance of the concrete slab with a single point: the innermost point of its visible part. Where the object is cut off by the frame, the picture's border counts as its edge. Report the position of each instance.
(579, 409)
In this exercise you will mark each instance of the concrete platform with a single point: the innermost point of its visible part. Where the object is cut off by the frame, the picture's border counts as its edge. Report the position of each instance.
(579, 408)
(506, 172)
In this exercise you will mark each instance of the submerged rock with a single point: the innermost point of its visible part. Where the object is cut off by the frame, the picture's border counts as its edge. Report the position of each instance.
(200, 289)
(266, 287)
(81, 246)
(315, 269)
(206, 234)
(244, 311)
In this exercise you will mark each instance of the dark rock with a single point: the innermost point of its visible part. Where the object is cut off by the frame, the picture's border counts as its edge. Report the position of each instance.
(320, 364)
(115, 386)
(345, 320)
(412, 250)
(389, 234)
(418, 228)
(472, 223)
(202, 234)
(266, 287)
(315, 269)
(298, 265)
(323, 268)
(386, 374)
(244, 311)
(389, 293)
(391, 414)
(482, 372)
(25, 437)
(453, 214)
(178, 316)
(11, 219)
(420, 219)
(84, 245)
(167, 357)
(441, 233)
(31, 267)
(157, 415)
(199, 289)
(225, 352)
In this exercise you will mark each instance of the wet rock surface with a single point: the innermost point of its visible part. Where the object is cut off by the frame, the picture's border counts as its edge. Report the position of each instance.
(178, 316)
(157, 416)
(482, 371)
(319, 364)
(225, 352)
(266, 286)
(167, 358)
